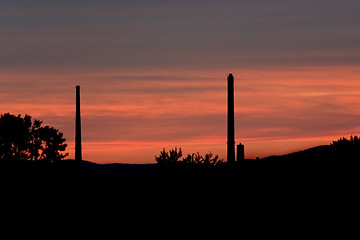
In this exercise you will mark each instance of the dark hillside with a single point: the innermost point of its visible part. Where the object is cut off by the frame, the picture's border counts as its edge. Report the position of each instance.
(324, 169)
(311, 154)
(323, 172)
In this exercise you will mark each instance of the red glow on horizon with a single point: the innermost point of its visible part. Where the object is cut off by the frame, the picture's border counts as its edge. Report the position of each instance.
(135, 115)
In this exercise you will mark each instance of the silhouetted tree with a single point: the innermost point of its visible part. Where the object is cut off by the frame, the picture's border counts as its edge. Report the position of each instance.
(172, 158)
(197, 159)
(169, 158)
(194, 158)
(22, 139)
(354, 140)
(347, 148)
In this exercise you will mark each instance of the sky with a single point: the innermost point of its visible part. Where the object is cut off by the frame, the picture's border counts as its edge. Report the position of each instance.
(153, 73)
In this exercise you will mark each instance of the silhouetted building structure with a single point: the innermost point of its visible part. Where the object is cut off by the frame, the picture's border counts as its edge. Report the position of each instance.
(230, 121)
(240, 152)
(78, 154)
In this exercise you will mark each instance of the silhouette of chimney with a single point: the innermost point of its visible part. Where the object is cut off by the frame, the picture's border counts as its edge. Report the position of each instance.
(78, 155)
(230, 122)
(240, 152)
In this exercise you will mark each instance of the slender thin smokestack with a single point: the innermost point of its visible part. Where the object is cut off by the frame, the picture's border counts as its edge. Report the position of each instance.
(78, 154)
(230, 122)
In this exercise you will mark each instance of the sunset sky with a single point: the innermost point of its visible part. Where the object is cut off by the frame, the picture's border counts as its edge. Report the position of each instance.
(153, 73)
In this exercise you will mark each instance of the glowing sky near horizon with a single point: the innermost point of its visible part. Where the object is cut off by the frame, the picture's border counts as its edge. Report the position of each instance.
(153, 73)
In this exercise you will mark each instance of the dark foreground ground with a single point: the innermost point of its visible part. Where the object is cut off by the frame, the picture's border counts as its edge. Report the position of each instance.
(318, 182)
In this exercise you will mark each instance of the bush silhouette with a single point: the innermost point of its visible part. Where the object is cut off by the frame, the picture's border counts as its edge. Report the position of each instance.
(207, 160)
(172, 158)
(354, 140)
(24, 139)
(347, 148)
(169, 158)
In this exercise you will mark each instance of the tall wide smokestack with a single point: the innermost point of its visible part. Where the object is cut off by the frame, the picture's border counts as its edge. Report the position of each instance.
(78, 155)
(230, 122)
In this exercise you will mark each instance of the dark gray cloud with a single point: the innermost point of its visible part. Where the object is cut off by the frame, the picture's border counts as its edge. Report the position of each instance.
(203, 34)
